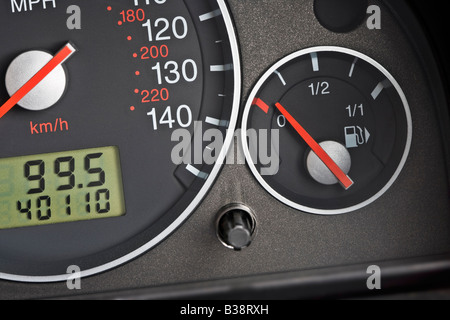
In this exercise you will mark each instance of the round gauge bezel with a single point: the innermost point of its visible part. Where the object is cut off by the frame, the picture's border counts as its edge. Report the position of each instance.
(266, 77)
(200, 195)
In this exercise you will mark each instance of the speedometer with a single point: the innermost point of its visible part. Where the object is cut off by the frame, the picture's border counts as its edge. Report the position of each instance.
(96, 97)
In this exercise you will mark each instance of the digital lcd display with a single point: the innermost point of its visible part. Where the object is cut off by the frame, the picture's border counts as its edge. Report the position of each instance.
(61, 187)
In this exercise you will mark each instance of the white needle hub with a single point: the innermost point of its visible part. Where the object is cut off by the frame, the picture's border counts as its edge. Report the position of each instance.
(319, 171)
(48, 92)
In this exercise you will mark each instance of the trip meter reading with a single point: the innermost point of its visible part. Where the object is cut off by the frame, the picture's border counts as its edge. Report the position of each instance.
(61, 187)
(344, 127)
(91, 96)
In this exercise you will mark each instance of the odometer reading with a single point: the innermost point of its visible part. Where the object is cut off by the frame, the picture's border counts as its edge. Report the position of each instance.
(61, 187)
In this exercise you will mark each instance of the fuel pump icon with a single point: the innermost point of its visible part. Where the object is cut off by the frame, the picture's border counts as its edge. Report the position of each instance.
(355, 136)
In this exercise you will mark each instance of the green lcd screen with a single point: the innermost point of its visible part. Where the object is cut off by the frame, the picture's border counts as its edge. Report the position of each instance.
(61, 187)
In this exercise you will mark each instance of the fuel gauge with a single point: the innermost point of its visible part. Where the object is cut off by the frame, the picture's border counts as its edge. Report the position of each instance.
(344, 129)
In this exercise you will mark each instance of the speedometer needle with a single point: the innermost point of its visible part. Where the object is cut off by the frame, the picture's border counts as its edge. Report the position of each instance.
(344, 179)
(57, 60)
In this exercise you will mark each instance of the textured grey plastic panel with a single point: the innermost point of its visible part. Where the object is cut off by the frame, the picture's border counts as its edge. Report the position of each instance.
(412, 220)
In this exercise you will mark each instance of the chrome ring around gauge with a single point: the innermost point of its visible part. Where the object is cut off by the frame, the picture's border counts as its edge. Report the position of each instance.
(343, 107)
(91, 181)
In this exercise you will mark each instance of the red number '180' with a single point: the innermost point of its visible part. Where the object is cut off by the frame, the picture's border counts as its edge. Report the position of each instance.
(132, 15)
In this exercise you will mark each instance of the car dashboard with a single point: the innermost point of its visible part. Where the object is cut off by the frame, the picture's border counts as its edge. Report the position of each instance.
(366, 79)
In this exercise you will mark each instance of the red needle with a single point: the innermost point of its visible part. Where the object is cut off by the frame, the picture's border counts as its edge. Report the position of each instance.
(58, 59)
(345, 180)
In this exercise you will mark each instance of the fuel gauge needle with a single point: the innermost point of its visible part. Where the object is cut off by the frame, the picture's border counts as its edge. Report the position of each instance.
(344, 179)
(56, 61)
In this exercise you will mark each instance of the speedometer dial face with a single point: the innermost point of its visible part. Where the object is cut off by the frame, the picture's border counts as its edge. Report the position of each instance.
(96, 95)
(339, 124)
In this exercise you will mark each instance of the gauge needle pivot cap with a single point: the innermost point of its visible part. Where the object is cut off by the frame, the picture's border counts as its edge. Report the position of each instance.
(35, 79)
(343, 178)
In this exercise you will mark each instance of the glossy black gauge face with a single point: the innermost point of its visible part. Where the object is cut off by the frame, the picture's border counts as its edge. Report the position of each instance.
(339, 125)
(94, 97)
